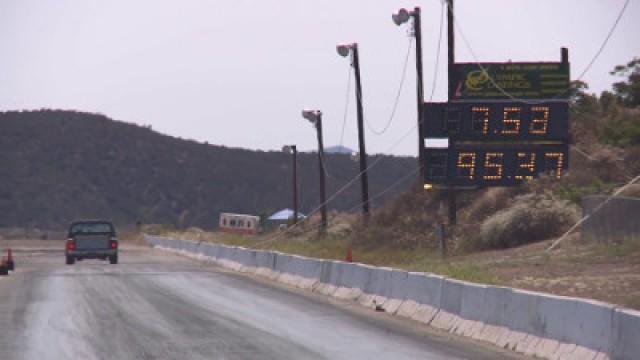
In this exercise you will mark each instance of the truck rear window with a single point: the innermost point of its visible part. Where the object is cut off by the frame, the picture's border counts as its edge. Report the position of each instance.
(91, 228)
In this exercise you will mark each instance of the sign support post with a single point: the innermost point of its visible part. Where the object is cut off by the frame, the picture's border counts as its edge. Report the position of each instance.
(451, 191)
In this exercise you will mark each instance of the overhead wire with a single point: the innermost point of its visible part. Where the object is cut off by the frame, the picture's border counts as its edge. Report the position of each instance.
(388, 188)
(378, 159)
(397, 97)
(529, 101)
(597, 208)
(434, 83)
(468, 45)
(606, 40)
(346, 106)
(343, 188)
(316, 226)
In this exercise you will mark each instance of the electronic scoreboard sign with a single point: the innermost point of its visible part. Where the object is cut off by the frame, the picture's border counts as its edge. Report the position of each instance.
(508, 123)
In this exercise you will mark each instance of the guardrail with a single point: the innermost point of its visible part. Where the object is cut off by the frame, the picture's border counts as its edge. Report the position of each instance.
(537, 324)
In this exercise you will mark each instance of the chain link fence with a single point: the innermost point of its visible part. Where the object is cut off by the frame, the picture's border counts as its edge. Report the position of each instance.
(617, 220)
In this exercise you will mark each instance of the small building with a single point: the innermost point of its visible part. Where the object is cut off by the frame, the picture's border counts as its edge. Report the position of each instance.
(239, 223)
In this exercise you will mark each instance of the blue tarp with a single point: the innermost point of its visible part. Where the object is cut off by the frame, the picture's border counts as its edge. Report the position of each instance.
(285, 214)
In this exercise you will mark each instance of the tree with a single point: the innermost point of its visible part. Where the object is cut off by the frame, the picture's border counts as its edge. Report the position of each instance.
(628, 90)
(581, 101)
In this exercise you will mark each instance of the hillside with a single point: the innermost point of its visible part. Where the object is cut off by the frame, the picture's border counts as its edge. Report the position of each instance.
(57, 166)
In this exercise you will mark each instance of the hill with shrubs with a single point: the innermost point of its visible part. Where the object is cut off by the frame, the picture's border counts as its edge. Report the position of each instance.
(57, 166)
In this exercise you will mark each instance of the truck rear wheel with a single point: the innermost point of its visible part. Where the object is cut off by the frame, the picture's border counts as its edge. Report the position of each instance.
(70, 260)
(113, 259)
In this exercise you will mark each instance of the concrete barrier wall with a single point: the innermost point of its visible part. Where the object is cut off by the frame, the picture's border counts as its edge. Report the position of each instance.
(542, 325)
(626, 335)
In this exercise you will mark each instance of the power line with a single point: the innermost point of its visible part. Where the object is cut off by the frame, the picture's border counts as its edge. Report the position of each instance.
(377, 160)
(398, 93)
(384, 191)
(389, 188)
(616, 193)
(606, 40)
(343, 188)
(533, 102)
(346, 107)
(468, 45)
(435, 72)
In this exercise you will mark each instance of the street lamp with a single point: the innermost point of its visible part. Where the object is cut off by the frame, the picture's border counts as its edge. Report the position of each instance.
(401, 17)
(344, 50)
(292, 149)
(315, 117)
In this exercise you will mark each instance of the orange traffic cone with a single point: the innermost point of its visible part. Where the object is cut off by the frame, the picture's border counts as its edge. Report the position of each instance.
(10, 264)
(349, 257)
(3, 267)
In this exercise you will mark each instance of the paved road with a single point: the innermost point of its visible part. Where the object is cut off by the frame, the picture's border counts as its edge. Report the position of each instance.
(155, 305)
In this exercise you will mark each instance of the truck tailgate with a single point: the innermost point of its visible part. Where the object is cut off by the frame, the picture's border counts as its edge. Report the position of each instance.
(92, 241)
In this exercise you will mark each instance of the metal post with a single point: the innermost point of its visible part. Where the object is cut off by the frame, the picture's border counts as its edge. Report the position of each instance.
(363, 153)
(417, 31)
(453, 206)
(442, 239)
(294, 150)
(564, 55)
(323, 205)
(451, 49)
(451, 192)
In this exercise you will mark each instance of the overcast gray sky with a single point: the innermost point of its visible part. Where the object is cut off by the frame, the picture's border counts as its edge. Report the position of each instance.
(238, 72)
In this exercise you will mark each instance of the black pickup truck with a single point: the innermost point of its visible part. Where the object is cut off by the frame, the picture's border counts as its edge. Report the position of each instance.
(91, 239)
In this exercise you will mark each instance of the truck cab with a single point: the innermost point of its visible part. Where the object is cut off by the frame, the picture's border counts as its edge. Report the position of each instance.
(91, 239)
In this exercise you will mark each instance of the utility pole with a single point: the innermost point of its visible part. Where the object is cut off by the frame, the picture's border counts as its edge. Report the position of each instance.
(451, 191)
(401, 17)
(323, 202)
(417, 32)
(344, 50)
(315, 117)
(295, 184)
(293, 150)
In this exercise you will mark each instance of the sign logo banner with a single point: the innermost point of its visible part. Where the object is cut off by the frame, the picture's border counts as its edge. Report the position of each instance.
(540, 80)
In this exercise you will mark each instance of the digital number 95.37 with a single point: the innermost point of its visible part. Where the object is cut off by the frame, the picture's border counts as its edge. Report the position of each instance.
(493, 166)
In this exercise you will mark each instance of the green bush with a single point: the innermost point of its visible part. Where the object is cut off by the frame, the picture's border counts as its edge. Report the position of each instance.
(574, 193)
(622, 130)
(531, 218)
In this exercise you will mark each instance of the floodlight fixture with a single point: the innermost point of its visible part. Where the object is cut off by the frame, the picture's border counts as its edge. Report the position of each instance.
(401, 17)
(344, 49)
(311, 115)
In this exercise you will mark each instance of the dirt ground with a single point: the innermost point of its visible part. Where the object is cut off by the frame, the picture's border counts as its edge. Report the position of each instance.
(609, 273)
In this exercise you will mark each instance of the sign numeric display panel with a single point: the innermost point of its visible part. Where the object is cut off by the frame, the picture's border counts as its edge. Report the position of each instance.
(497, 120)
(494, 166)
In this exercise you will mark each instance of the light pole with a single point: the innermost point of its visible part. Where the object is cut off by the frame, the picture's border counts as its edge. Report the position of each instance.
(400, 18)
(344, 50)
(315, 117)
(292, 149)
